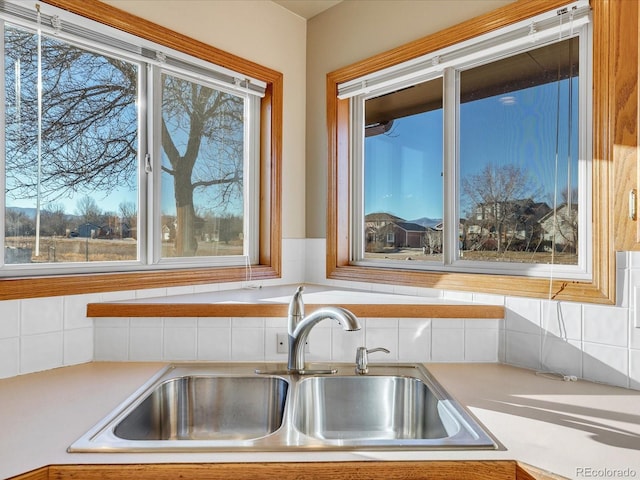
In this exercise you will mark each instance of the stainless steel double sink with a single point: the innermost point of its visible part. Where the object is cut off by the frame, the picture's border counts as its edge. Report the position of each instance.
(228, 407)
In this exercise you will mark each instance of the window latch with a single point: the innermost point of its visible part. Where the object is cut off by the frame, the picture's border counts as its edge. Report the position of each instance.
(147, 164)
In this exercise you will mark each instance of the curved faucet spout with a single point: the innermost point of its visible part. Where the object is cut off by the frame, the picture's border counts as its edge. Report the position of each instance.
(298, 337)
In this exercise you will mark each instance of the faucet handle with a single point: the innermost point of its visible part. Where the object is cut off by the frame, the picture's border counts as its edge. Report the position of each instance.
(362, 358)
(296, 309)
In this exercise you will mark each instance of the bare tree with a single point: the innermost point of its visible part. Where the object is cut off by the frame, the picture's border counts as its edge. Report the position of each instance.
(89, 210)
(89, 141)
(493, 194)
(211, 121)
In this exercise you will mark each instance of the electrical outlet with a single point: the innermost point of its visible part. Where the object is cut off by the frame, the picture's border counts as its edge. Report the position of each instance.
(282, 340)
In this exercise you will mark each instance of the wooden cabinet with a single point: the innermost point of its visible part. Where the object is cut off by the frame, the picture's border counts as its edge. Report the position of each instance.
(372, 470)
(621, 145)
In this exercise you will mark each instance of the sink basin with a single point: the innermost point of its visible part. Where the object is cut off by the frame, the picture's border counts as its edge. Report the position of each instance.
(207, 408)
(368, 408)
(228, 407)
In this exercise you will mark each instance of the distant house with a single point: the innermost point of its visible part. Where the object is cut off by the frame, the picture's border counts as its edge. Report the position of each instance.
(88, 230)
(505, 222)
(561, 229)
(402, 234)
(373, 222)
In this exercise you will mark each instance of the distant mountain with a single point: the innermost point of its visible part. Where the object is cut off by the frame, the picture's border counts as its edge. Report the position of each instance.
(427, 222)
(28, 211)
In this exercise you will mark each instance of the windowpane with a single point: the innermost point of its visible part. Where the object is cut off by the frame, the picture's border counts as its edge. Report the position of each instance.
(71, 159)
(403, 174)
(519, 158)
(202, 195)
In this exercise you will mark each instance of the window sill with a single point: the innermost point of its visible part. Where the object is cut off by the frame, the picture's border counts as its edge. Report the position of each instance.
(273, 302)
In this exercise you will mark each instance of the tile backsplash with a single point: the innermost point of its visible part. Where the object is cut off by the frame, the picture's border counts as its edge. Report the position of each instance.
(594, 342)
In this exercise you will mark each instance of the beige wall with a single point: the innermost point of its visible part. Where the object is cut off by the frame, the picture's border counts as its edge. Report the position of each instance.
(352, 31)
(263, 32)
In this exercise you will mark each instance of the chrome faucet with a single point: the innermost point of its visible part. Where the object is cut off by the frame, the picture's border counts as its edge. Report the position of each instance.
(299, 327)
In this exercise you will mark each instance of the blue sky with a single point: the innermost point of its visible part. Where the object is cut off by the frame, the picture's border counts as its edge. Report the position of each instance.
(403, 167)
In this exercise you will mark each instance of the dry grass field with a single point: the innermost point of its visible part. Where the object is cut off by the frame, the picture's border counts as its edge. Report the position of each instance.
(486, 256)
(65, 250)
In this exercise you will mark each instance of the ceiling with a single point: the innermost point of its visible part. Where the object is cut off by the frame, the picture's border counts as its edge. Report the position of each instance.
(307, 8)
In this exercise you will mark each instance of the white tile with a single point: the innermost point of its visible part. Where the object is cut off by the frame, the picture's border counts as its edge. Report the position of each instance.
(385, 338)
(180, 344)
(522, 349)
(118, 296)
(41, 315)
(247, 344)
(458, 296)
(606, 364)
(247, 322)
(447, 345)
(414, 345)
(622, 259)
(319, 345)
(344, 344)
(78, 346)
(561, 356)
(633, 259)
(180, 322)
(111, 344)
(414, 323)
(381, 323)
(623, 290)
(214, 322)
(634, 369)
(488, 299)
(502, 346)
(146, 322)
(75, 310)
(151, 293)
(447, 323)
(276, 322)
(114, 322)
(562, 319)
(522, 315)
(10, 315)
(145, 344)
(606, 325)
(41, 352)
(214, 344)
(481, 345)
(482, 324)
(9, 357)
(634, 335)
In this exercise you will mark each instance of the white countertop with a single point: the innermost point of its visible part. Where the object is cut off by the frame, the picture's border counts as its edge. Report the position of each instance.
(574, 429)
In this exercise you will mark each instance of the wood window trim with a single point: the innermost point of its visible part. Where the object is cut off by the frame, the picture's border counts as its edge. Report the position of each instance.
(601, 289)
(270, 175)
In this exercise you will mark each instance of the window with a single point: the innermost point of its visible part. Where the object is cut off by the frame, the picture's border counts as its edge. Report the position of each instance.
(488, 181)
(483, 140)
(121, 154)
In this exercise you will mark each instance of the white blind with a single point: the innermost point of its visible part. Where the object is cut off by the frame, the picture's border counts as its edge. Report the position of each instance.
(522, 35)
(79, 30)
